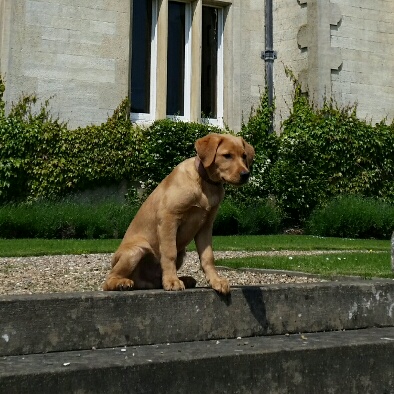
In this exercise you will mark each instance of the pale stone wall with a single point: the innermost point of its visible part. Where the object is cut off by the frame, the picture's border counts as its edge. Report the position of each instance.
(5, 16)
(78, 54)
(366, 40)
(244, 75)
(75, 52)
(339, 48)
(288, 16)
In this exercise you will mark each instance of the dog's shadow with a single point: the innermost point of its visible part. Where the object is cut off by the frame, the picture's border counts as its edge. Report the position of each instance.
(253, 295)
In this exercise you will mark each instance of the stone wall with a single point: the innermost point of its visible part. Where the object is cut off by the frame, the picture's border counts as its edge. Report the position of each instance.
(244, 75)
(78, 54)
(75, 52)
(288, 17)
(341, 49)
(365, 38)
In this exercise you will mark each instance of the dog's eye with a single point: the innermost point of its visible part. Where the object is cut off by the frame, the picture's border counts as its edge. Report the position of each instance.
(227, 156)
(244, 156)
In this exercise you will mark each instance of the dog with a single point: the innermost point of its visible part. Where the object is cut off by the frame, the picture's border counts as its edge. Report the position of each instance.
(183, 207)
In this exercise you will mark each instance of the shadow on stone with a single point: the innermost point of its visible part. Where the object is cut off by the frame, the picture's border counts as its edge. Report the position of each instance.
(226, 298)
(255, 300)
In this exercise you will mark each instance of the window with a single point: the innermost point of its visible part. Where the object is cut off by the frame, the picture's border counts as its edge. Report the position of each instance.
(172, 74)
(176, 58)
(141, 56)
(209, 64)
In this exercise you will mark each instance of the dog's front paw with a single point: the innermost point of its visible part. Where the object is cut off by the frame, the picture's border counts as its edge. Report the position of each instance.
(120, 284)
(221, 285)
(173, 284)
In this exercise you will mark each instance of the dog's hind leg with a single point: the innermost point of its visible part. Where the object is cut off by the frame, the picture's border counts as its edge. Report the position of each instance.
(124, 263)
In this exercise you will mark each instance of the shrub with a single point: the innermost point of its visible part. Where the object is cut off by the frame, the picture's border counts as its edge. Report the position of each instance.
(41, 158)
(16, 146)
(167, 143)
(353, 217)
(227, 219)
(261, 218)
(327, 152)
(89, 157)
(321, 153)
(110, 218)
(66, 219)
(257, 132)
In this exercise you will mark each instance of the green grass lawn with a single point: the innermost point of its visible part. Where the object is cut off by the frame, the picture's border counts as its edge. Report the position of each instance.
(366, 265)
(37, 247)
(296, 242)
(371, 258)
(40, 247)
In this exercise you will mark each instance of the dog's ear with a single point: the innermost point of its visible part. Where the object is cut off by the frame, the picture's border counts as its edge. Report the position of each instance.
(249, 152)
(206, 148)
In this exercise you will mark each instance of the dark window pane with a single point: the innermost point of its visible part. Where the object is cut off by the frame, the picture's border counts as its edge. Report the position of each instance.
(176, 58)
(209, 61)
(140, 62)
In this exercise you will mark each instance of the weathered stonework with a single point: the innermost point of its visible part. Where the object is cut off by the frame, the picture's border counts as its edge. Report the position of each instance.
(78, 54)
(244, 71)
(366, 40)
(288, 17)
(340, 49)
(315, 37)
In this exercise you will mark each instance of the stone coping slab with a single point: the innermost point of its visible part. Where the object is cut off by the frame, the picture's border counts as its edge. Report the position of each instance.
(74, 321)
(333, 362)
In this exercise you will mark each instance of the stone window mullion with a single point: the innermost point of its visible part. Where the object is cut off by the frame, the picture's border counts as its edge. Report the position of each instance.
(161, 58)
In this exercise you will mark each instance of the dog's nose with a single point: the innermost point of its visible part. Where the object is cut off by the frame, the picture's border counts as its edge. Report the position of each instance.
(244, 176)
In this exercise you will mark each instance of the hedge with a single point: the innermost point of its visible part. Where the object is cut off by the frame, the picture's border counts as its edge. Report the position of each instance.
(41, 158)
(352, 216)
(320, 154)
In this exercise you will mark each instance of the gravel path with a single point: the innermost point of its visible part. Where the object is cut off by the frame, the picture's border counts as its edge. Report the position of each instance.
(47, 274)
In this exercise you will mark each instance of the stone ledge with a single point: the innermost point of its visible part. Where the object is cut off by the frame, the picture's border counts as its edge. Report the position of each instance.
(75, 321)
(336, 362)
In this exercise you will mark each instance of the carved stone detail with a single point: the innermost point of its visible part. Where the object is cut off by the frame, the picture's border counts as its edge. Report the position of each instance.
(315, 37)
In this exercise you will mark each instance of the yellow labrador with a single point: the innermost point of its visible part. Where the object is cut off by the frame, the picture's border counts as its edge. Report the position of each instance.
(182, 208)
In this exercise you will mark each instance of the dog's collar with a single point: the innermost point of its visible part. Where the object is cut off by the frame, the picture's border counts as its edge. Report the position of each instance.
(203, 172)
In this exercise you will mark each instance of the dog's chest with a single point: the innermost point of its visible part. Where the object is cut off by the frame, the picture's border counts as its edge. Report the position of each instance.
(199, 211)
(190, 226)
(207, 202)
(195, 218)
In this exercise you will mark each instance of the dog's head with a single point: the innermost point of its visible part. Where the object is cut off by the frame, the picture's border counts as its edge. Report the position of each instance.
(226, 158)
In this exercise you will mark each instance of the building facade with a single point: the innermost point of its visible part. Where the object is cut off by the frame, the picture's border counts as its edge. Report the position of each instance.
(342, 49)
(195, 60)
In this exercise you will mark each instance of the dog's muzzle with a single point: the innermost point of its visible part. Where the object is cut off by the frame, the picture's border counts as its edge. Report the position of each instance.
(244, 176)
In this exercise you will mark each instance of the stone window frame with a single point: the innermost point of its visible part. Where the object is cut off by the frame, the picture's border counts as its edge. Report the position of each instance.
(158, 69)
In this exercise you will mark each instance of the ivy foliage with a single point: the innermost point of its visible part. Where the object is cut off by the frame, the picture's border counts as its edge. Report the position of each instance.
(320, 154)
(327, 152)
(256, 131)
(165, 144)
(41, 158)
